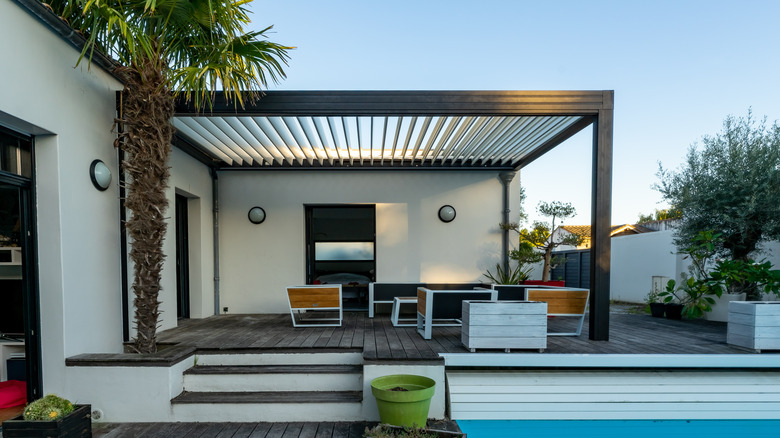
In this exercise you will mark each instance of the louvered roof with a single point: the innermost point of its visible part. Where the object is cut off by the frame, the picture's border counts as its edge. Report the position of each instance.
(386, 129)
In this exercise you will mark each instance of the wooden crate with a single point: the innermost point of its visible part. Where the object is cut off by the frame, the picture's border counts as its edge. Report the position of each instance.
(504, 325)
(754, 325)
(77, 424)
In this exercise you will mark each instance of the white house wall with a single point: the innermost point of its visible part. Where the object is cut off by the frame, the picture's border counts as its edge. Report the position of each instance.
(70, 112)
(412, 244)
(191, 179)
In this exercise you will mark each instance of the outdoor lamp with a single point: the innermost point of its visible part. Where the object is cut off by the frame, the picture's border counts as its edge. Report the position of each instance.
(100, 175)
(447, 213)
(256, 215)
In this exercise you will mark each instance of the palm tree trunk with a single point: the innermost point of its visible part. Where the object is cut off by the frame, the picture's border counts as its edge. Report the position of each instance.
(146, 140)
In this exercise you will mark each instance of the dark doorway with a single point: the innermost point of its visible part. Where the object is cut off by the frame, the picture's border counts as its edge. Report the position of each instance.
(341, 249)
(19, 312)
(182, 259)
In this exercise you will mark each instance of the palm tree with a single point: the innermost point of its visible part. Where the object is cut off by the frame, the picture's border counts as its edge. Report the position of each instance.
(164, 48)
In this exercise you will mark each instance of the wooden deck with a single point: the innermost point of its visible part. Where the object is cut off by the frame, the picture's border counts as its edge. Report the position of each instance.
(241, 430)
(244, 430)
(379, 340)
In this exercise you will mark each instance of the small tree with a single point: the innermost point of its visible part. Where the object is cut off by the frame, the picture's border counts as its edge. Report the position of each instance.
(540, 237)
(659, 215)
(730, 185)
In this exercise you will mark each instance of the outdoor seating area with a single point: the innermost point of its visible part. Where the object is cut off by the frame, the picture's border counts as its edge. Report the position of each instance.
(378, 339)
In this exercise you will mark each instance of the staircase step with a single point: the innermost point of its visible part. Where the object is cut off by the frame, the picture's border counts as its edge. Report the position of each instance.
(268, 406)
(261, 397)
(275, 369)
(275, 358)
(242, 378)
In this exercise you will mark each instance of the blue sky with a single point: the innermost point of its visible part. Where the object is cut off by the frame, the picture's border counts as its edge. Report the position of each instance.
(678, 69)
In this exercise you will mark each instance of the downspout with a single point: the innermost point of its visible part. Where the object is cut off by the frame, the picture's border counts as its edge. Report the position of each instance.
(215, 204)
(506, 178)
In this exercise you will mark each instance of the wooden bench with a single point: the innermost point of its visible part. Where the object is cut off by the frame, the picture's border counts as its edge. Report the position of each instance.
(563, 302)
(315, 299)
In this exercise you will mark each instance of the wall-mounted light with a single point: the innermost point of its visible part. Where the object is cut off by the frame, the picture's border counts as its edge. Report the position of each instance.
(100, 175)
(256, 215)
(447, 213)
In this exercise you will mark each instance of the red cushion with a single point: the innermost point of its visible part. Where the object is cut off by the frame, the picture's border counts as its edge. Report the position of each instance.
(558, 283)
(13, 393)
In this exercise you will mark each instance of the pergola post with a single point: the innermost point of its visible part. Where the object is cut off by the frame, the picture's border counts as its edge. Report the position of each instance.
(506, 178)
(601, 212)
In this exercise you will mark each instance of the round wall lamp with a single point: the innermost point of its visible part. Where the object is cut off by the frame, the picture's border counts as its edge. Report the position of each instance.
(100, 175)
(256, 215)
(447, 213)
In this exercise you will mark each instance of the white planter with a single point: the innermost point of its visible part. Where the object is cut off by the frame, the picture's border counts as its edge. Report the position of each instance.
(504, 324)
(754, 325)
(720, 310)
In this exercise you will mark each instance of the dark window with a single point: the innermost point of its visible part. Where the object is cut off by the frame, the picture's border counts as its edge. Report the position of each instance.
(15, 154)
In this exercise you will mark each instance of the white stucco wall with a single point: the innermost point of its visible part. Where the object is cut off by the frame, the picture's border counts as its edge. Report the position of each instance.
(636, 259)
(191, 179)
(70, 112)
(412, 244)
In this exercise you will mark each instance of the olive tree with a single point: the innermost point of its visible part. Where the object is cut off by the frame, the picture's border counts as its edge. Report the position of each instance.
(729, 184)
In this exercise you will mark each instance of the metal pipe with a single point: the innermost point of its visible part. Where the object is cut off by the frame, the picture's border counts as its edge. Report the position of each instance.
(506, 178)
(215, 204)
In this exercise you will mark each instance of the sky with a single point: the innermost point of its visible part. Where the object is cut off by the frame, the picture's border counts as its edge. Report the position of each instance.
(678, 69)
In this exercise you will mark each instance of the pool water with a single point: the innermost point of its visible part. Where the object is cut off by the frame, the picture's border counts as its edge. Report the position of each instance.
(620, 428)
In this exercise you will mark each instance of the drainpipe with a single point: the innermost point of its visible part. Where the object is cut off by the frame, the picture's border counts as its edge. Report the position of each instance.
(506, 178)
(215, 204)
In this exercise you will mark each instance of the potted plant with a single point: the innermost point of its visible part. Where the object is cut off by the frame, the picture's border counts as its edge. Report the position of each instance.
(657, 308)
(403, 399)
(51, 416)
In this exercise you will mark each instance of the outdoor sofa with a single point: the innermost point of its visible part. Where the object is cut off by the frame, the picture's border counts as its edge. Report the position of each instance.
(385, 293)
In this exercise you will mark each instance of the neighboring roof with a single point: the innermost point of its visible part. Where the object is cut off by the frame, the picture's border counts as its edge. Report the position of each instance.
(387, 129)
(614, 230)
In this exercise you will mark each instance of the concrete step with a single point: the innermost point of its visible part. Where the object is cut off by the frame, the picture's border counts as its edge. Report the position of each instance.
(268, 406)
(243, 378)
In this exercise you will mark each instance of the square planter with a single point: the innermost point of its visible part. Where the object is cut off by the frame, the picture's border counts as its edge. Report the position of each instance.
(504, 324)
(754, 325)
(77, 424)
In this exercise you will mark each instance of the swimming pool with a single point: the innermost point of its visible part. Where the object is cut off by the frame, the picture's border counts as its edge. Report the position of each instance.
(620, 428)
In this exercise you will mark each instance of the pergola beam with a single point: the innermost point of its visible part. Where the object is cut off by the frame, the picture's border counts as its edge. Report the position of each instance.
(403, 103)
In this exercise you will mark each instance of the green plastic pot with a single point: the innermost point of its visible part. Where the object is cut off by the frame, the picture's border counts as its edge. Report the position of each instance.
(403, 408)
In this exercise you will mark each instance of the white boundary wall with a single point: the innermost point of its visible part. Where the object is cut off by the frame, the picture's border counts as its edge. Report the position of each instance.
(636, 259)
(412, 244)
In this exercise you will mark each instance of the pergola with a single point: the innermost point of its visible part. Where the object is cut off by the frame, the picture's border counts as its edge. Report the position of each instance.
(501, 131)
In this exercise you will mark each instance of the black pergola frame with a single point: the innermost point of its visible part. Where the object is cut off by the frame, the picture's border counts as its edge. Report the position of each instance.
(595, 107)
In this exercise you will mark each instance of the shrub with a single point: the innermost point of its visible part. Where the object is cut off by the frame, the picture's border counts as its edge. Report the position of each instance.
(48, 408)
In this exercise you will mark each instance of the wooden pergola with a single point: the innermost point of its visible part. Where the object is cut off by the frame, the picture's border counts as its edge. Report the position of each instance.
(500, 131)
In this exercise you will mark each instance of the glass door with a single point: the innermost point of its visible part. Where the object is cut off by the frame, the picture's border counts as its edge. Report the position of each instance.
(340, 248)
(19, 311)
